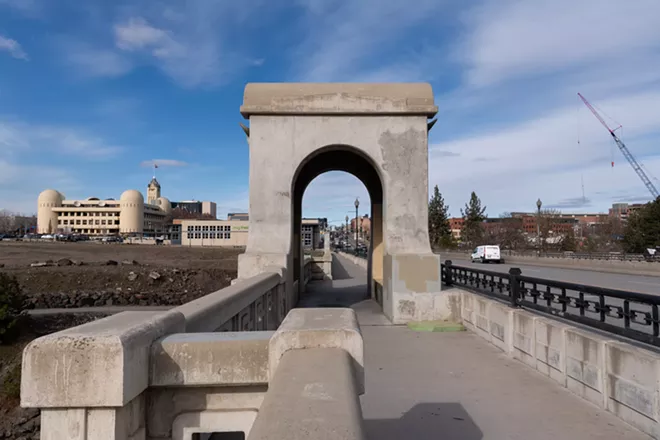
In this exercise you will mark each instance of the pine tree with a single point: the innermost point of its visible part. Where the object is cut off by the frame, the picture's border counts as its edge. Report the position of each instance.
(643, 229)
(439, 228)
(473, 217)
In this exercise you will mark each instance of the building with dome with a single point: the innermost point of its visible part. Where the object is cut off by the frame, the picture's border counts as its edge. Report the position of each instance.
(129, 215)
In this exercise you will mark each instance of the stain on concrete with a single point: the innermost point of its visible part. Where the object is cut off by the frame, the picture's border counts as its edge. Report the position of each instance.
(415, 272)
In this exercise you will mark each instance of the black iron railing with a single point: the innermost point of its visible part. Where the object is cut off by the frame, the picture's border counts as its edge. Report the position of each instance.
(630, 314)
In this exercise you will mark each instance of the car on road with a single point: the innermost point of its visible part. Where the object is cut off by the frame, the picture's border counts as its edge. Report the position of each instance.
(486, 254)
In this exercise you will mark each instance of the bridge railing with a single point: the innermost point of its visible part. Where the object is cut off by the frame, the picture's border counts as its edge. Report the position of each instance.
(604, 256)
(204, 367)
(630, 314)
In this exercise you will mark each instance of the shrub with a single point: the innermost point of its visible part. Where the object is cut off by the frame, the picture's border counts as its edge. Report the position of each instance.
(11, 304)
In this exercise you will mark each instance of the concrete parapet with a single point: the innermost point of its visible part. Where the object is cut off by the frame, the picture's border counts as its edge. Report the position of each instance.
(72, 368)
(216, 310)
(313, 394)
(319, 328)
(620, 377)
(206, 359)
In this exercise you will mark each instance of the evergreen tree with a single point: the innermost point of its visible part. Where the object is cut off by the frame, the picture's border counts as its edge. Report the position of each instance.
(643, 228)
(439, 229)
(473, 217)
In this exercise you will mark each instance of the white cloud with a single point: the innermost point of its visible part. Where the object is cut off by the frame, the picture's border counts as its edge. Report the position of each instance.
(342, 38)
(13, 48)
(163, 163)
(511, 38)
(96, 61)
(24, 138)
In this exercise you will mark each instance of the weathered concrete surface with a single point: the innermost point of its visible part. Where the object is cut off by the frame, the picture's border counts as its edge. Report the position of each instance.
(72, 368)
(206, 359)
(455, 386)
(319, 328)
(419, 385)
(312, 396)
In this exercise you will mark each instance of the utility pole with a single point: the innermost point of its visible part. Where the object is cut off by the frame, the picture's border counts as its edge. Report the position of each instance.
(357, 204)
(538, 227)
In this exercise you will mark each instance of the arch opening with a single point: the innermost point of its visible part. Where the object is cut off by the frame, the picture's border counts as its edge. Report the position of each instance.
(352, 161)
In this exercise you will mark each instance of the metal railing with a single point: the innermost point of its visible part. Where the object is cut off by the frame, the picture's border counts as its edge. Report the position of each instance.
(607, 256)
(630, 314)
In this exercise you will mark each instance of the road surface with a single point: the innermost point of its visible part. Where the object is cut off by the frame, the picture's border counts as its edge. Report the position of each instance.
(634, 283)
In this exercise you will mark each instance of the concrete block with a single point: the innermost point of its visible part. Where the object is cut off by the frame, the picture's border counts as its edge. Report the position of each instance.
(500, 325)
(550, 350)
(186, 425)
(585, 365)
(467, 310)
(481, 316)
(633, 381)
(523, 341)
(104, 363)
(213, 359)
(64, 424)
(319, 328)
(166, 404)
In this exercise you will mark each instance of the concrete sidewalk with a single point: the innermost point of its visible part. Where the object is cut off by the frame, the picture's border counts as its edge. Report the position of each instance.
(455, 385)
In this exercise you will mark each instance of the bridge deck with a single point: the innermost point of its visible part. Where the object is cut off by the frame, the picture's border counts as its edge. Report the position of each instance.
(454, 385)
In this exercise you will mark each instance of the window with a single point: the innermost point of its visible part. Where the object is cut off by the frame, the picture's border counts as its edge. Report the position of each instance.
(212, 228)
(103, 222)
(77, 222)
(227, 235)
(212, 234)
(189, 235)
(198, 235)
(66, 222)
(197, 228)
(205, 235)
(190, 228)
(205, 228)
(227, 228)
(96, 222)
(84, 222)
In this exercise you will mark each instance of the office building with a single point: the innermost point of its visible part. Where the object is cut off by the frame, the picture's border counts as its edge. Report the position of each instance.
(129, 215)
(211, 232)
(197, 207)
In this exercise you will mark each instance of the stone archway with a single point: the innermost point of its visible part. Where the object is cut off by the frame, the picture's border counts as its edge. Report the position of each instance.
(349, 125)
(353, 161)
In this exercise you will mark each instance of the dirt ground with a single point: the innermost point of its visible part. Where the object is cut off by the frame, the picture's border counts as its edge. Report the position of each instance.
(96, 274)
(181, 274)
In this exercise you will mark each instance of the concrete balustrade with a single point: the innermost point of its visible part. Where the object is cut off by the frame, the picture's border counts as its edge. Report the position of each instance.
(617, 376)
(159, 375)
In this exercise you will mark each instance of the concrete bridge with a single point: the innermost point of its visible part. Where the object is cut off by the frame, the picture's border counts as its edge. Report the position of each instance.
(279, 356)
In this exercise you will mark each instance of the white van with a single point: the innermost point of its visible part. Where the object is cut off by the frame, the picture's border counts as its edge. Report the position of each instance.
(486, 254)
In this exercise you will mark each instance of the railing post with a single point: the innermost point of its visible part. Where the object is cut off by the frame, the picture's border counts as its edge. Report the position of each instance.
(448, 273)
(514, 283)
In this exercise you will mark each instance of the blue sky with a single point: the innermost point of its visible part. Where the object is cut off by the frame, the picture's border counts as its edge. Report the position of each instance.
(91, 92)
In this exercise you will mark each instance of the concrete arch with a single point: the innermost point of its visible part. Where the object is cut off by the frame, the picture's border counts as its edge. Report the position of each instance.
(355, 162)
(377, 132)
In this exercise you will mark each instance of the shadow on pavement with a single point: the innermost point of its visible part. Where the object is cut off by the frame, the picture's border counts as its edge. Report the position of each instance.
(324, 294)
(426, 421)
(339, 272)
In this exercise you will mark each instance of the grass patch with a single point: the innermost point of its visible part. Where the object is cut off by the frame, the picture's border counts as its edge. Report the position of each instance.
(436, 326)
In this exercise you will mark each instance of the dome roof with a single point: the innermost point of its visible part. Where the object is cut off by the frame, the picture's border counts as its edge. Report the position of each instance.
(164, 204)
(50, 195)
(132, 196)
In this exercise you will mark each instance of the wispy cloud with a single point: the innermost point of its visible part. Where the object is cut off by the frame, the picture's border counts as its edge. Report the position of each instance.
(95, 61)
(163, 163)
(13, 48)
(17, 136)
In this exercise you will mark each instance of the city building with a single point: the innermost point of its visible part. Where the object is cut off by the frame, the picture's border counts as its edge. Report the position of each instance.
(129, 215)
(311, 232)
(211, 232)
(456, 225)
(197, 207)
(238, 216)
(622, 211)
(364, 226)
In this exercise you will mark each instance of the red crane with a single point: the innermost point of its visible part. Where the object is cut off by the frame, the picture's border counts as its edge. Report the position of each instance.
(624, 150)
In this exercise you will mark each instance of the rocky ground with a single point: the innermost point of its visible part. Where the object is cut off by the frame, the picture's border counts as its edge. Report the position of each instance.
(68, 275)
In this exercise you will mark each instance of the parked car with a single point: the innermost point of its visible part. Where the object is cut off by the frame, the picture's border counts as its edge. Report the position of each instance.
(486, 254)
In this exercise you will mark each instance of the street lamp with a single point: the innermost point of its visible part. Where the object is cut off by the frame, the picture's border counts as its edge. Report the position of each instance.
(357, 205)
(538, 226)
(346, 230)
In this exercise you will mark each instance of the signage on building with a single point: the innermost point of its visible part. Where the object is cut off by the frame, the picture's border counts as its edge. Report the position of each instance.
(239, 228)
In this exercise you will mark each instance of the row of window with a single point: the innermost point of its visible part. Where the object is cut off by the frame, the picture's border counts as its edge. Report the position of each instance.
(88, 214)
(65, 222)
(226, 228)
(208, 235)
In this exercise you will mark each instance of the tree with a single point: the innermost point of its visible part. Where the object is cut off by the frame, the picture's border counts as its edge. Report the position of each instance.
(643, 229)
(568, 243)
(506, 232)
(439, 228)
(473, 217)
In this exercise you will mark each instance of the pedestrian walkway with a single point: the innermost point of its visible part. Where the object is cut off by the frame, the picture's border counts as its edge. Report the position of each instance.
(454, 386)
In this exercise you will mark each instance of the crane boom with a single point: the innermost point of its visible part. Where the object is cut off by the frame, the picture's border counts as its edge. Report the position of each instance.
(624, 150)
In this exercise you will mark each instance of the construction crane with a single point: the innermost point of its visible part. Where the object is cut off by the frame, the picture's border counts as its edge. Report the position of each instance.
(626, 153)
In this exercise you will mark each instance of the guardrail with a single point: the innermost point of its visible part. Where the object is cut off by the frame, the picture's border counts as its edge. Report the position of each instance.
(603, 256)
(630, 314)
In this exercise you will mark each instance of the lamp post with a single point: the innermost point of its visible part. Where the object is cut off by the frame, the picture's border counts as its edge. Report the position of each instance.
(346, 230)
(357, 205)
(538, 226)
